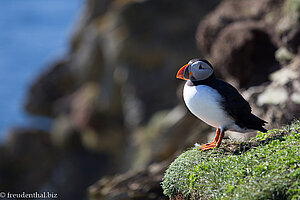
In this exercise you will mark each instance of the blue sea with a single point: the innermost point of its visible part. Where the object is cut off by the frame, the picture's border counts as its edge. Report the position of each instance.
(33, 33)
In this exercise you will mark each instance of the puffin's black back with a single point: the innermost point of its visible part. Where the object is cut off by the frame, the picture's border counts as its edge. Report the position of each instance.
(235, 105)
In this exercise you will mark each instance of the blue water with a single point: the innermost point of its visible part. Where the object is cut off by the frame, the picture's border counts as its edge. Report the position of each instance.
(33, 33)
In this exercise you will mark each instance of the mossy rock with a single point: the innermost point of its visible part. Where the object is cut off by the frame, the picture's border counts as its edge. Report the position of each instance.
(292, 8)
(266, 167)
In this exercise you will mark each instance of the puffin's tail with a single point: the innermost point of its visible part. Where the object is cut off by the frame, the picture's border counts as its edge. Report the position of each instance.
(257, 123)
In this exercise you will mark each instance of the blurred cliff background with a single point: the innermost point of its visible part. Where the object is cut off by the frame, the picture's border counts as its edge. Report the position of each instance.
(106, 115)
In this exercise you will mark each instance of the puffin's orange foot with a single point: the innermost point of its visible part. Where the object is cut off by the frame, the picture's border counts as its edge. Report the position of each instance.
(208, 146)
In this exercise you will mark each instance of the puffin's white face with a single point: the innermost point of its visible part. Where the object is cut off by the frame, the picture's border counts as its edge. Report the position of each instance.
(195, 70)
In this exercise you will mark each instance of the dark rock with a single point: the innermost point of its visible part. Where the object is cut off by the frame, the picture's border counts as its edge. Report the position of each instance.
(100, 131)
(142, 184)
(227, 12)
(241, 44)
(292, 39)
(27, 161)
(49, 87)
(244, 53)
(32, 162)
(76, 170)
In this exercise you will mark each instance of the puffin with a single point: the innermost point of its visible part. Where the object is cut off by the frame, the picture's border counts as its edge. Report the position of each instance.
(216, 102)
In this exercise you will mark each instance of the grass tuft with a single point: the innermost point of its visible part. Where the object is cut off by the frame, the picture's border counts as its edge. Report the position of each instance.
(266, 167)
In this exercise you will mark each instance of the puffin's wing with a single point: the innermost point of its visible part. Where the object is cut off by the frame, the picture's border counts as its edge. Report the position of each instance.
(237, 107)
(233, 101)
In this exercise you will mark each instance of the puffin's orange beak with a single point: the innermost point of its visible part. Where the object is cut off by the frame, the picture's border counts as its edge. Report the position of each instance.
(182, 73)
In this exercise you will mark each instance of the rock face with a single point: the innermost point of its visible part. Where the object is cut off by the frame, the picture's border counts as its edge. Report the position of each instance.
(244, 53)
(142, 184)
(32, 162)
(116, 105)
(24, 151)
(241, 44)
(282, 94)
(48, 88)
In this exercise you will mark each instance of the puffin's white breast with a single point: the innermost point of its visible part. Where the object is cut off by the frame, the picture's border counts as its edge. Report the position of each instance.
(205, 103)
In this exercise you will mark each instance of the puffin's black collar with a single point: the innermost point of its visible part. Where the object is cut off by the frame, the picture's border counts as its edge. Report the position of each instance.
(205, 81)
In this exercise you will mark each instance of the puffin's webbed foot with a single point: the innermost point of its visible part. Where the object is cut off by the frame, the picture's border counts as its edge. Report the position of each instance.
(208, 146)
(216, 143)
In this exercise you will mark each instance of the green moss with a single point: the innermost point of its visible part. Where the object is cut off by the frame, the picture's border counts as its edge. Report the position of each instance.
(292, 8)
(266, 167)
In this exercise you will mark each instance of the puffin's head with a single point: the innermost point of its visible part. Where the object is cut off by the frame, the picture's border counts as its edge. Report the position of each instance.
(195, 70)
